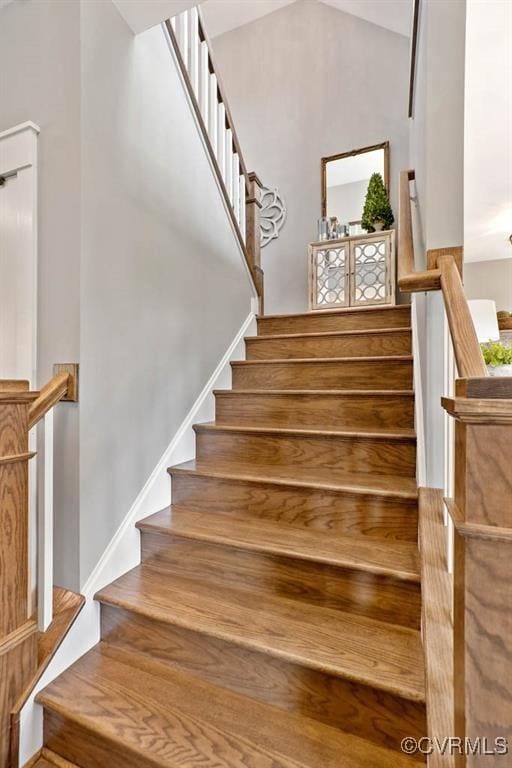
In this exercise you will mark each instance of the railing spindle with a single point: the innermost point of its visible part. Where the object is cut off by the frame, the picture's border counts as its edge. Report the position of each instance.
(182, 35)
(193, 50)
(221, 139)
(204, 79)
(242, 198)
(45, 528)
(213, 112)
(236, 186)
(228, 173)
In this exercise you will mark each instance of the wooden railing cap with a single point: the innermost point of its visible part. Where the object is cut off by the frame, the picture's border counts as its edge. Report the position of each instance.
(253, 176)
(21, 396)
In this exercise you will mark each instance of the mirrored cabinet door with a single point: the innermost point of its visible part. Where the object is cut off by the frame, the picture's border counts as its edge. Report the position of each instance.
(329, 276)
(370, 274)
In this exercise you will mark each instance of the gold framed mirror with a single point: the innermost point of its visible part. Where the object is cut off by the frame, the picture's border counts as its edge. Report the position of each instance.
(345, 180)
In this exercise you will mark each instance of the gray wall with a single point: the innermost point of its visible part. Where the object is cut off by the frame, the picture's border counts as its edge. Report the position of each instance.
(437, 128)
(437, 155)
(142, 279)
(39, 81)
(490, 280)
(305, 82)
(163, 285)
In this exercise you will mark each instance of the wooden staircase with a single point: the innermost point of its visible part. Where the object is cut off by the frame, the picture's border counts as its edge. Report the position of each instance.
(275, 619)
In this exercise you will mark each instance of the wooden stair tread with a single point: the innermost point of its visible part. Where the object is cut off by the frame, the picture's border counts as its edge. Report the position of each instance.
(325, 478)
(376, 433)
(331, 334)
(386, 557)
(341, 311)
(161, 716)
(316, 360)
(398, 393)
(370, 652)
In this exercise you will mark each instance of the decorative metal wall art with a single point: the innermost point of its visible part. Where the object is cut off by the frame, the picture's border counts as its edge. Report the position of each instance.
(272, 215)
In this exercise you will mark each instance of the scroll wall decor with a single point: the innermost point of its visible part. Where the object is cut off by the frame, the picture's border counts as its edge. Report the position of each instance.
(272, 215)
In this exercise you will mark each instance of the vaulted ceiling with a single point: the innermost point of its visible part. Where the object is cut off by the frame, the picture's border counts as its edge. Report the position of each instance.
(223, 15)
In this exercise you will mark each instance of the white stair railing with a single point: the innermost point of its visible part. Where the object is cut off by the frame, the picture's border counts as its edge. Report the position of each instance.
(241, 191)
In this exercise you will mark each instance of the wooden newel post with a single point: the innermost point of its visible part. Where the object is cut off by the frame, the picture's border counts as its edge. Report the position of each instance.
(18, 638)
(253, 233)
(482, 515)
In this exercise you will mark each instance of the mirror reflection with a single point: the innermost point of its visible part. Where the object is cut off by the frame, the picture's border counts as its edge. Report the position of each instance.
(345, 179)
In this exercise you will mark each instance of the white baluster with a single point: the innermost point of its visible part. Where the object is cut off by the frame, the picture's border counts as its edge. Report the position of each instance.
(182, 35)
(204, 79)
(193, 49)
(213, 112)
(235, 186)
(45, 529)
(228, 176)
(241, 185)
(173, 23)
(221, 139)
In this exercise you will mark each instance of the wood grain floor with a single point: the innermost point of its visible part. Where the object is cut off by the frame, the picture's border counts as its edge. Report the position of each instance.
(274, 620)
(165, 717)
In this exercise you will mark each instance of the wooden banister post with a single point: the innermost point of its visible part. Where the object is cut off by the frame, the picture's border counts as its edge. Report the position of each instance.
(482, 515)
(405, 240)
(253, 233)
(18, 633)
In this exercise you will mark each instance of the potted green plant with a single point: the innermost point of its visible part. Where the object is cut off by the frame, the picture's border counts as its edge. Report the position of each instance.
(377, 213)
(498, 358)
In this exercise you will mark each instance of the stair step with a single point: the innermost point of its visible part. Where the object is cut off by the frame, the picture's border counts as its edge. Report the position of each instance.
(372, 653)
(396, 559)
(357, 575)
(327, 479)
(350, 504)
(324, 373)
(120, 709)
(366, 344)
(380, 451)
(336, 320)
(316, 409)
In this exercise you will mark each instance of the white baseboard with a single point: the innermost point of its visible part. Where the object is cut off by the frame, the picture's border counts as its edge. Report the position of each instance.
(123, 552)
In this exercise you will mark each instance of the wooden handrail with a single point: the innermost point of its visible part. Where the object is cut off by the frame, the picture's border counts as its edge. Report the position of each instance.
(470, 362)
(443, 274)
(405, 238)
(49, 395)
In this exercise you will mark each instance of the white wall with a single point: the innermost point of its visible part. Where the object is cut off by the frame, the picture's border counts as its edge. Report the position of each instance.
(141, 279)
(39, 81)
(305, 82)
(164, 288)
(488, 131)
(437, 156)
(437, 127)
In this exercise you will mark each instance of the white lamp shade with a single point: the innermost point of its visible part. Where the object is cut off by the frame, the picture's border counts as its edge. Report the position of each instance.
(483, 312)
